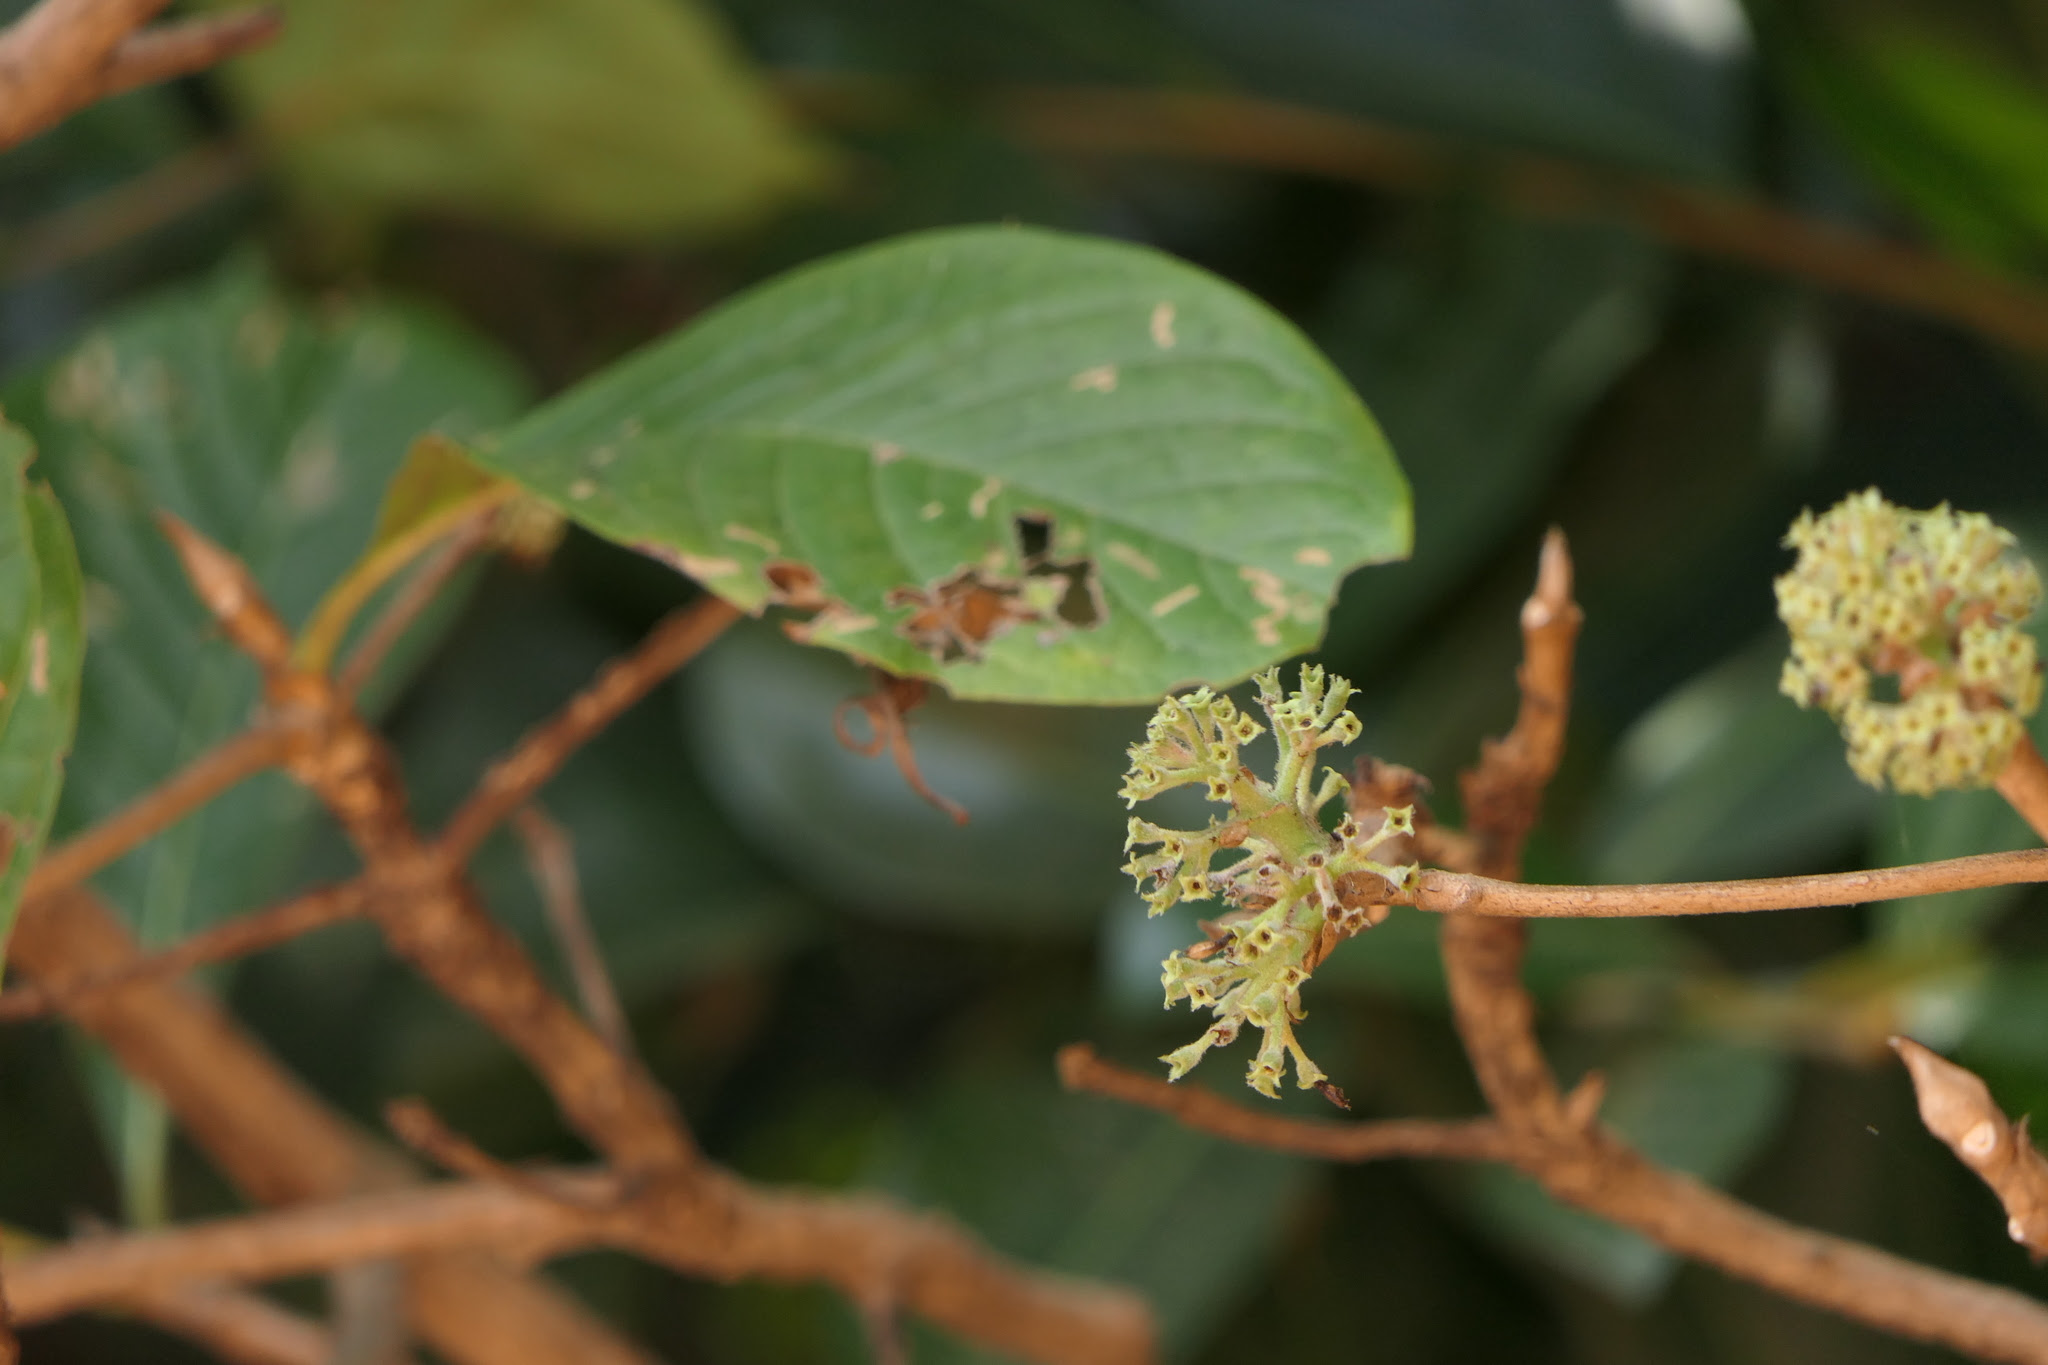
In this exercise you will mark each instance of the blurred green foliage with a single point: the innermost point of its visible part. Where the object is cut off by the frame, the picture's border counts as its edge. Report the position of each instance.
(492, 200)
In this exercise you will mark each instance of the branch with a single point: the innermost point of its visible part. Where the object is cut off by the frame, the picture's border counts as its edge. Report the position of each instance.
(1082, 1071)
(180, 49)
(1957, 1107)
(231, 939)
(513, 780)
(238, 1327)
(1459, 894)
(1241, 131)
(65, 54)
(2024, 784)
(1495, 1016)
(267, 1246)
(230, 762)
(1594, 1171)
(427, 912)
(688, 1214)
(867, 1248)
(281, 1144)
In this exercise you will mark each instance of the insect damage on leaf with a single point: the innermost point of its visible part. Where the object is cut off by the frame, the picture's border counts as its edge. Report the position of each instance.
(957, 616)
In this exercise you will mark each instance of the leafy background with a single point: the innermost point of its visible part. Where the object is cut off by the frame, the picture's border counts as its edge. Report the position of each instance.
(427, 215)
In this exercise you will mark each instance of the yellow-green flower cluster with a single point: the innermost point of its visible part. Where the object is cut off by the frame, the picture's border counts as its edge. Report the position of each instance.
(1285, 885)
(1933, 600)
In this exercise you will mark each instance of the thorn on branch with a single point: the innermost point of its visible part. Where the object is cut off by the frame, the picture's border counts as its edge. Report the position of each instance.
(887, 709)
(1957, 1107)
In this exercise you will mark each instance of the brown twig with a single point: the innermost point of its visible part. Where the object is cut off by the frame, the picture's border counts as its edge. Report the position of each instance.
(1205, 1111)
(2024, 784)
(1591, 1169)
(52, 56)
(235, 1325)
(228, 763)
(101, 221)
(179, 49)
(686, 1213)
(513, 780)
(231, 939)
(282, 1145)
(1494, 1014)
(1557, 1139)
(1957, 1107)
(426, 911)
(1244, 131)
(415, 1124)
(552, 858)
(65, 54)
(406, 605)
(1462, 894)
(785, 1237)
(267, 1246)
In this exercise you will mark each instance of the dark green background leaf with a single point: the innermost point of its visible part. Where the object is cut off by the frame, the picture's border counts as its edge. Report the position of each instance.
(272, 427)
(608, 120)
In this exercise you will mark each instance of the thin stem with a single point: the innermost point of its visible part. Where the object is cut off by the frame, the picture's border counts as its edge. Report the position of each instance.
(513, 780)
(330, 621)
(268, 1246)
(198, 782)
(179, 49)
(232, 939)
(1464, 894)
(551, 857)
(1328, 1139)
(406, 606)
(236, 1326)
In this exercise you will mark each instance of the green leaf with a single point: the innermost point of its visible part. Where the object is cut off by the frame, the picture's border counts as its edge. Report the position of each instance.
(612, 121)
(1701, 1107)
(1032, 466)
(273, 428)
(42, 710)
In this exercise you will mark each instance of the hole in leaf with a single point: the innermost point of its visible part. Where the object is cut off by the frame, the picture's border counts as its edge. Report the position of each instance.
(1034, 536)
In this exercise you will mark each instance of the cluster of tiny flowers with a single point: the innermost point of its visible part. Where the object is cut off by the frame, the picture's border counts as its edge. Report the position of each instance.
(1284, 885)
(1934, 599)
